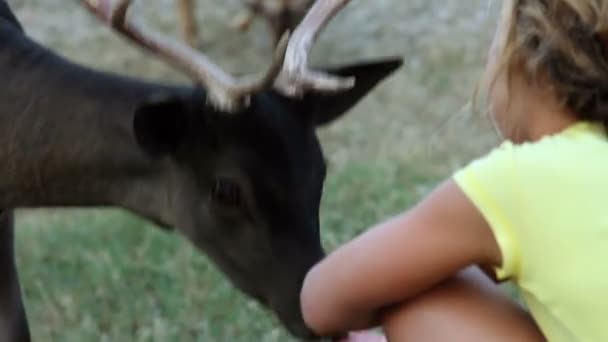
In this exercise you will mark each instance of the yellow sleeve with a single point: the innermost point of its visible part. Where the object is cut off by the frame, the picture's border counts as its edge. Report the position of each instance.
(489, 182)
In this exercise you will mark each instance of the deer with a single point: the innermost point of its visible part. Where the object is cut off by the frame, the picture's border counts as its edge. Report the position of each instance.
(233, 164)
(280, 15)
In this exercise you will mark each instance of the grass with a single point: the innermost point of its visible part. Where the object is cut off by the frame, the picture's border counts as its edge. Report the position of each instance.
(106, 275)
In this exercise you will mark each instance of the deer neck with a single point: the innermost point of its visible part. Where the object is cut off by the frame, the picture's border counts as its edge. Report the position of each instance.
(66, 137)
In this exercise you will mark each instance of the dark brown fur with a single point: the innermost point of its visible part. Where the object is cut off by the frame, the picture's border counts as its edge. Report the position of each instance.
(244, 188)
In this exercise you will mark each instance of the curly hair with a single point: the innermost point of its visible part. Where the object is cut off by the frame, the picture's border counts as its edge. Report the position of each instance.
(564, 42)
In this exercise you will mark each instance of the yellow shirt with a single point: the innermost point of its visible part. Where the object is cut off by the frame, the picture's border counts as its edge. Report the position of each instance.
(547, 205)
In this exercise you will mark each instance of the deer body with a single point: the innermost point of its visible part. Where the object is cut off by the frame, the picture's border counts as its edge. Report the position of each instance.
(280, 15)
(243, 186)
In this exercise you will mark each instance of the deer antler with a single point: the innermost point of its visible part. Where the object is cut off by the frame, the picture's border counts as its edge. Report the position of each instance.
(296, 77)
(288, 71)
(224, 91)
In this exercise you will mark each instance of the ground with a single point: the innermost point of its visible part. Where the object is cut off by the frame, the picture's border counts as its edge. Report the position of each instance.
(105, 275)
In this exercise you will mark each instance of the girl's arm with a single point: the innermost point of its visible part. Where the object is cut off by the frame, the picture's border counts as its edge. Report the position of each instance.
(397, 260)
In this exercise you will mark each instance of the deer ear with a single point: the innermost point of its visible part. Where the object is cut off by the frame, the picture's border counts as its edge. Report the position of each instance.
(325, 108)
(159, 124)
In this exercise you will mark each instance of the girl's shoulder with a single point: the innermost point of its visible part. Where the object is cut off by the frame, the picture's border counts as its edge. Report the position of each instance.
(578, 147)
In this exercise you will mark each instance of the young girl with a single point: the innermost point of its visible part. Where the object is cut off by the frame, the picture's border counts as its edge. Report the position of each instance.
(534, 210)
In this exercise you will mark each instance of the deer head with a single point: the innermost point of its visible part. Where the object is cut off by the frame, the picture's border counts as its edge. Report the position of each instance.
(247, 166)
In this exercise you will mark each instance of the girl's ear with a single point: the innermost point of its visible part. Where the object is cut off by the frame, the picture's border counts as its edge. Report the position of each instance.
(325, 108)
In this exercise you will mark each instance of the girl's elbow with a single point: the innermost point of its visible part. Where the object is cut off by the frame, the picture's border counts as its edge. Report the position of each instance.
(315, 304)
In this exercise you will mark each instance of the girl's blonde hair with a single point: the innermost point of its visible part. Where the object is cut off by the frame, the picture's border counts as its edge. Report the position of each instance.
(563, 42)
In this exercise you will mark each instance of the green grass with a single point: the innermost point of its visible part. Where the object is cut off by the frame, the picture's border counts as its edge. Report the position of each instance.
(106, 275)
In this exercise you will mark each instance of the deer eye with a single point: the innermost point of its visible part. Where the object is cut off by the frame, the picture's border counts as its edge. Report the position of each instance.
(226, 192)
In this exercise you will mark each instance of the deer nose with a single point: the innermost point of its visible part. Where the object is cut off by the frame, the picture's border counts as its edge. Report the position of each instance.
(301, 331)
(290, 316)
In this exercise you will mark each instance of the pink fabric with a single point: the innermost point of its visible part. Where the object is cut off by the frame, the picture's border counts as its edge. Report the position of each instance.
(364, 336)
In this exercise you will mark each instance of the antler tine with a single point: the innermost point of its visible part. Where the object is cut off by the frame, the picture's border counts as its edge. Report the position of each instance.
(296, 77)
(224, 91)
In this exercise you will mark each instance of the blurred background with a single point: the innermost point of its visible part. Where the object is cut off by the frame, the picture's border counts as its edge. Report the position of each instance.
(106, 275)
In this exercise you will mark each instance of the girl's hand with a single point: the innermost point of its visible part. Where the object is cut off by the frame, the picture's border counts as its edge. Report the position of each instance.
(363, 336)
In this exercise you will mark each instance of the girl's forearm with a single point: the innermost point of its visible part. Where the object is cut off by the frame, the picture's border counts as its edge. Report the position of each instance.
(395, 261)
(326, 318)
